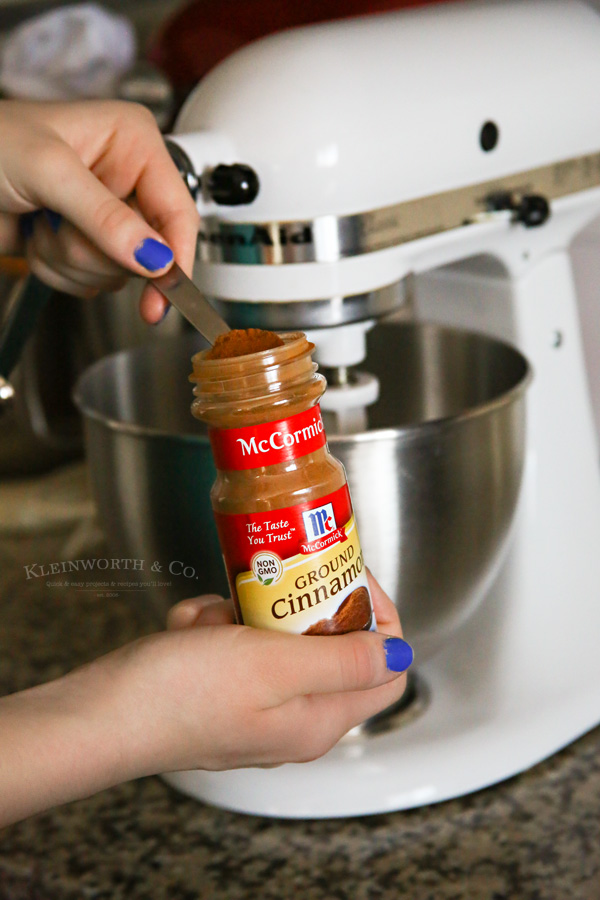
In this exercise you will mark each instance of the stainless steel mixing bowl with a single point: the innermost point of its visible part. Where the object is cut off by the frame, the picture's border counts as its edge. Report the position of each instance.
(434, 480)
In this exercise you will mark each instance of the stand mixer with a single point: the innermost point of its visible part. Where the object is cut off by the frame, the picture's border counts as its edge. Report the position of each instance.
(458, 144)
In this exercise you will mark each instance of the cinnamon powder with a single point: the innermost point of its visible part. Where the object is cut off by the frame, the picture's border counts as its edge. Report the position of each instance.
(242, 341)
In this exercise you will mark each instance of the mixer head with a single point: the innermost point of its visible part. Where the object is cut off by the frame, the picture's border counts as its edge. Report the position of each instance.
(328, 162)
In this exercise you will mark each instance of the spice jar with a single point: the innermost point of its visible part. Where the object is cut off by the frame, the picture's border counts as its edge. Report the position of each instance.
(281, 500)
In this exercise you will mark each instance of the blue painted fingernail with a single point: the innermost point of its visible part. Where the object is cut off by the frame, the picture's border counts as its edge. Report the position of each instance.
(398, 654)
(164, 315)
(153, 255)
(54, 219)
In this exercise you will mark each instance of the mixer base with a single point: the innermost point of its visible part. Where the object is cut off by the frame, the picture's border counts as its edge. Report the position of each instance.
(471, 735)
(412, 703)
(519, 680)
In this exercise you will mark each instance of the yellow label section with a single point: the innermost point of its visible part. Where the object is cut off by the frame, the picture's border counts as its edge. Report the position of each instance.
(307, 589)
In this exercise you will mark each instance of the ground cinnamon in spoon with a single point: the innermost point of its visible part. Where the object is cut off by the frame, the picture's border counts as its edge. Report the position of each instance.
(242, 341)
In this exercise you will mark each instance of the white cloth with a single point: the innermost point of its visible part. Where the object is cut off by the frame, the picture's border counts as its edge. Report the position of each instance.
(71, 52)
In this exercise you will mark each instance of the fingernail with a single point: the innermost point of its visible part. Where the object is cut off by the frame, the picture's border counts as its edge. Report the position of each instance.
(209, 600)
(186, 613)
(164, 315)
(398, 654)
(153, 255)
(54, 219)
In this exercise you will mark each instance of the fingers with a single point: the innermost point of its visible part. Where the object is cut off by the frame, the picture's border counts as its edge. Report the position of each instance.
(237, 696)
(79, 267)
(138, 163)
(91, 166)
(85, 161)
(67, 260)
(292, 665)
(70, 189)
(305, 728)
(153, 306)
(304, 693)
(164, 201)
(11, 242)
(209, 609)
(386, 614)
(289, 666)
(57, 281)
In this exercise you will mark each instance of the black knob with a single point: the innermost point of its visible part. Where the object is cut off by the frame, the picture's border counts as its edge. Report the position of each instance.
(530, 209)
(533, 210)
(232, 185)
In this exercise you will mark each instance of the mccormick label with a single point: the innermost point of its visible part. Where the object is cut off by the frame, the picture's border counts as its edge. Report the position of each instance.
(269, 443)
(299, 568)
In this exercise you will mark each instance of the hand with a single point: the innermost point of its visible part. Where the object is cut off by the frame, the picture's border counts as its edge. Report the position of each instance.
(269, 697)
(80, 162)
(204, 694)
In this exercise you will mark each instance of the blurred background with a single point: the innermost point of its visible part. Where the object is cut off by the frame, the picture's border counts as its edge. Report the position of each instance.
(152, 52)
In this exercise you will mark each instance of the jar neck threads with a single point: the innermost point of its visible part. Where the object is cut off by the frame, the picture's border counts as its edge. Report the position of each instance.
(257, 387)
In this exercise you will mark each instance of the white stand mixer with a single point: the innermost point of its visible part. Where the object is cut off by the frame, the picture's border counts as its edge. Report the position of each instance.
(436, 142)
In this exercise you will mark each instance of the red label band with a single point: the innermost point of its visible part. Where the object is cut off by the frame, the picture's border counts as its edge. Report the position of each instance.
(269, 443)
(298, 569)
(306, 528)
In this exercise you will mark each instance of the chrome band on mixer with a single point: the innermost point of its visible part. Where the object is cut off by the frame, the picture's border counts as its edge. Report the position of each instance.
(331, 238)
(320, 313)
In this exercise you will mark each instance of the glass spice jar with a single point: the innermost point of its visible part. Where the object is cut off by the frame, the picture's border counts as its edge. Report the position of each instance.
(281, 501)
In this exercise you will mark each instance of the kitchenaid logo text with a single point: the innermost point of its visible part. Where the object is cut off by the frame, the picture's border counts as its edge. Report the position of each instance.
(278, 440)
(245, 235)
(36, 570)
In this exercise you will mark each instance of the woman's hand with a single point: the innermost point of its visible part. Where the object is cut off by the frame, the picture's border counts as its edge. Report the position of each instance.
(76, 164)
(273, 698)
(204, 694)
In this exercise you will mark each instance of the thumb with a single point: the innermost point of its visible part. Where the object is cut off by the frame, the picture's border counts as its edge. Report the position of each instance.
(330, 664)
(70, 189)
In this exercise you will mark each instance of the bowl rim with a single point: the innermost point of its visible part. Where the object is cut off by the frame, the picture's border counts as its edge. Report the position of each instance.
(401, 432)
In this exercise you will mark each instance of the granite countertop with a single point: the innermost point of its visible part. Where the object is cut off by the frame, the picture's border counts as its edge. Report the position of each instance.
(535, 837)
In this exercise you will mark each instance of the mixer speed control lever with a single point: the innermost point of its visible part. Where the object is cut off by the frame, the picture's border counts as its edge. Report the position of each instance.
(530, 209)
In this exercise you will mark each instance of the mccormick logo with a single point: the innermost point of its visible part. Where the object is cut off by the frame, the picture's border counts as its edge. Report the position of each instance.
(319, 522)
(321, 529)
(279, 440)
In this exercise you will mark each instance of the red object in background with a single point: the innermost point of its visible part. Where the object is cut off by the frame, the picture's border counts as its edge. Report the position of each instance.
(205, 32)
